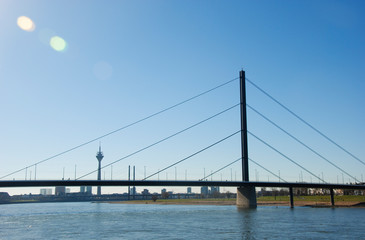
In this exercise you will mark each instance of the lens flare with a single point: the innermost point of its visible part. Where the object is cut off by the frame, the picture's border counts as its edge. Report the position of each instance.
(26, 24)
(45, 35)
(58, 43)
(103, 70)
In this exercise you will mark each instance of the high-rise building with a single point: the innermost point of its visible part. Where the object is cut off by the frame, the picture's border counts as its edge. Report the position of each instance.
(99, 156)
(89, 190)
(60, 190)
(133, 191)
(46, 191)
(214, 189)
(204, 190)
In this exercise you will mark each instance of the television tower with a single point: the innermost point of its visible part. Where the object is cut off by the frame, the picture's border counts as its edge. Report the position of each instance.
(99, 156)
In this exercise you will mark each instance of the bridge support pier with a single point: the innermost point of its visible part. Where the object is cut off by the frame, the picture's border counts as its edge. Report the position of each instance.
(246, 197)
(291, 196)
(332, 197)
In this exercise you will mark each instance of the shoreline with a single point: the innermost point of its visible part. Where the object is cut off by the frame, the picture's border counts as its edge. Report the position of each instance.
(220, 202)
(346, 204)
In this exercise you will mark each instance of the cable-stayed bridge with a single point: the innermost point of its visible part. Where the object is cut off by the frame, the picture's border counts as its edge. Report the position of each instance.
(246, 188)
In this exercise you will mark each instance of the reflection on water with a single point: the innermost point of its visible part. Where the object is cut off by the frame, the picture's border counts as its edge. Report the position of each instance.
(116, 221)
(247, 222)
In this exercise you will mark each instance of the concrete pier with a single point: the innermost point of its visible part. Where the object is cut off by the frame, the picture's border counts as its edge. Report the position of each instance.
(246, 197)
(291, 196)
(332, 197)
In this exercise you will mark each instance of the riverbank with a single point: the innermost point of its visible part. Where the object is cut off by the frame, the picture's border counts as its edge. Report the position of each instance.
(182, 202)
(222, 202)
(310, 201)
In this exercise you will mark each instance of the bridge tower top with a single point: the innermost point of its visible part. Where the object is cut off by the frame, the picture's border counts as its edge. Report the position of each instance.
(244, 143)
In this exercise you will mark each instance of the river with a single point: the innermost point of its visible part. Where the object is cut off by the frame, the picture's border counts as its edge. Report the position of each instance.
(87, 220)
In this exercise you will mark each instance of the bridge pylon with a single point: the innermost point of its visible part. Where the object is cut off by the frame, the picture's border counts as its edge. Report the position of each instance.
(246, 196)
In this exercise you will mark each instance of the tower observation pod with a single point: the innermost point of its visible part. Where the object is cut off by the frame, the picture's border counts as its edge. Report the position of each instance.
(99, 156)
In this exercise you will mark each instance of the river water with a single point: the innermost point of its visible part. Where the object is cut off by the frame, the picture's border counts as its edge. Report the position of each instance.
(87, 220)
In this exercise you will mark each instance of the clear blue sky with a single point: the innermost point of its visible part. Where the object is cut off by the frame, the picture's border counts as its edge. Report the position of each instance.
(125, 60)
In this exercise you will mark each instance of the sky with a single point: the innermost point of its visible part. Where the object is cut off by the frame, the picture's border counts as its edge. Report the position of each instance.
(72, 71)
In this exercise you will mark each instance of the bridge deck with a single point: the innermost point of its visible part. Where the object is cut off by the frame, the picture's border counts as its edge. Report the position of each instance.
(70, 183)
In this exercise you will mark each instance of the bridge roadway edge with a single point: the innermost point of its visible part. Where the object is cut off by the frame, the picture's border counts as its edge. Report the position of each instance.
(139, 183)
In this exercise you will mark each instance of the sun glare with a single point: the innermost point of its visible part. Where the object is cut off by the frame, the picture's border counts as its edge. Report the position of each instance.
(58, 43)
(26, 23)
